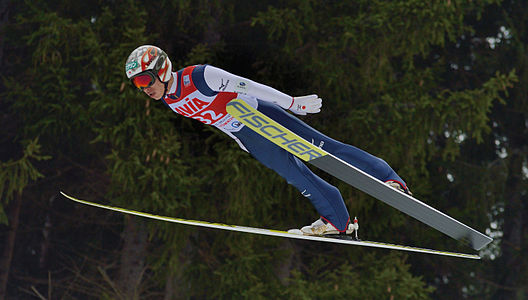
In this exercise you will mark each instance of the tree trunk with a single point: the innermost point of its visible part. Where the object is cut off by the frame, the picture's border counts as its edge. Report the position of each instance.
(4, 17)
(176, 286)
(291, 262)
(5, 263)
(132, 258)
(511, 261)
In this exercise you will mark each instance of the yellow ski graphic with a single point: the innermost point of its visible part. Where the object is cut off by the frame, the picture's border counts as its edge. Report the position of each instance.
(275, 132)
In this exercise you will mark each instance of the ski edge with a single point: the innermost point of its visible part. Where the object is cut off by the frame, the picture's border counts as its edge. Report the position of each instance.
(272, 232)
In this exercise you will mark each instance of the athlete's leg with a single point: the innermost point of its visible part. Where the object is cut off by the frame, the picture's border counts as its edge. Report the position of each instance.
(363, 160)
(326, 198)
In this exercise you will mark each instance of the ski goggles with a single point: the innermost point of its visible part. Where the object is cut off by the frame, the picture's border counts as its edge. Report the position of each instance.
(143, 80)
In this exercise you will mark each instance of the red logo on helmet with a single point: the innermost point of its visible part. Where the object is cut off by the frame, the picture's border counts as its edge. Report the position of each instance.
(148, 57)
(163, 70)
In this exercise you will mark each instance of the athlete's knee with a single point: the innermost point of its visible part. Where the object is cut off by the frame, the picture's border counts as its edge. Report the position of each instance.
(332, 190)
(379, 168)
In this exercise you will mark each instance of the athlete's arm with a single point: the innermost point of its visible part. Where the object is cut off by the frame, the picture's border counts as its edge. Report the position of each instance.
(223, 81)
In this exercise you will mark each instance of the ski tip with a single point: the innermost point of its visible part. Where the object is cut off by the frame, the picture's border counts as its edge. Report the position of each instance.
(69, 197)
(65, 195)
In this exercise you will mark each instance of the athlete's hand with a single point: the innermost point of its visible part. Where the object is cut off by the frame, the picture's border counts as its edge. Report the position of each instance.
(306, 104)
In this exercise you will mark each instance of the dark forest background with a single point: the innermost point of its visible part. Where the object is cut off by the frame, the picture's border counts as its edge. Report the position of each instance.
(436, 88)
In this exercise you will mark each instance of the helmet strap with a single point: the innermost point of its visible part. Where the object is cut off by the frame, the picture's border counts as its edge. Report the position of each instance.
(166, 87)
(166, 84)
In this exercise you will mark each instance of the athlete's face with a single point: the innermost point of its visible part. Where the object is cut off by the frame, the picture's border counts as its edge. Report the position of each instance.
(155, 91)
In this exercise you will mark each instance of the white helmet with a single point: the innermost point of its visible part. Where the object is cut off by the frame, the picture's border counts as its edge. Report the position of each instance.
(149, 58)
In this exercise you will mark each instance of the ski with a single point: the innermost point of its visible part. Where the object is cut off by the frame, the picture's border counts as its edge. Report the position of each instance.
(271, 232)
(340, 169)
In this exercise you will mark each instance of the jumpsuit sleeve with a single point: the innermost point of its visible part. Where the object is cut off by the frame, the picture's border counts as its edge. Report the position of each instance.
(222, 81)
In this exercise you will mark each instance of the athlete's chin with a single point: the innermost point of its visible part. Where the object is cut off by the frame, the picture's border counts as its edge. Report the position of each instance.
(154, 96)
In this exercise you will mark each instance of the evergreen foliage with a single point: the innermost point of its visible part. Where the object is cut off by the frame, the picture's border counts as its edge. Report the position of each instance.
(437, 89)
(16, 175)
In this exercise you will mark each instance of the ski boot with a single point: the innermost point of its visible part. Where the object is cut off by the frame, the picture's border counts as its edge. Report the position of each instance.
(397, 186)
(323, 228)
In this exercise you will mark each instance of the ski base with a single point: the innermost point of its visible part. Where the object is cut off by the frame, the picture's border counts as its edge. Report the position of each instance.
(270, 232)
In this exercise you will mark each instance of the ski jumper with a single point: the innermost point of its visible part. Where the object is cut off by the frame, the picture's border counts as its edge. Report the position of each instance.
(201, 92)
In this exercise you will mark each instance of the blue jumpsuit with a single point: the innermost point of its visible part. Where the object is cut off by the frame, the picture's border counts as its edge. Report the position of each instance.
(192, 96)
(326, 198)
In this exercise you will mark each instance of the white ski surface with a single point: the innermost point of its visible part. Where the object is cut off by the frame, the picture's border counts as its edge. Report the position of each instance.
(271, 232)
(334, 166)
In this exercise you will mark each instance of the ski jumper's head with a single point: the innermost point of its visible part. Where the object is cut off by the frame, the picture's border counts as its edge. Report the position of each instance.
(147, 65)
